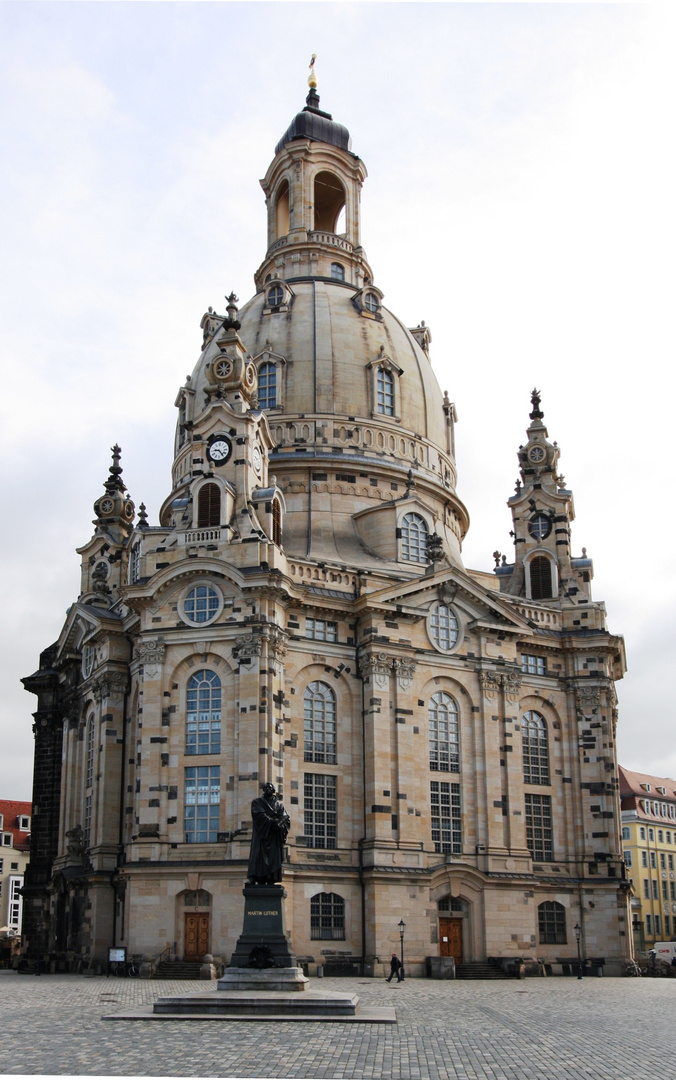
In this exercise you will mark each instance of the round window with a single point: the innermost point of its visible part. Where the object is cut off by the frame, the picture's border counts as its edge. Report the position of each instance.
(275, 296)
(371, 302)
(444, 627)
(539, 526)
(201, 604)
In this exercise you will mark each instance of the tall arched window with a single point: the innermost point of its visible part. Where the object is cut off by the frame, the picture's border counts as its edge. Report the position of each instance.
(320, 723)
(385, 392)
(443, 733)
(203, 714)
(327, 917)
(414, 538)
(89, 779)
(535, 751)
(91, 735)
(540, 578)
(276, 523)
(282, 210)
(209, 506)
(267, 386)
(552, 923)
(329, 200)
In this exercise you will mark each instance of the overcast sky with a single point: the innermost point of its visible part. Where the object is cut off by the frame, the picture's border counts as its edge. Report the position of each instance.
(520, 199)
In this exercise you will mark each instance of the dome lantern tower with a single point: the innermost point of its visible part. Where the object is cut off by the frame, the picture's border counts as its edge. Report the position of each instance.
(313, 195)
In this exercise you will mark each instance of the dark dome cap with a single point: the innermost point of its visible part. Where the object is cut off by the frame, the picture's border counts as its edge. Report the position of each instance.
(316, 125)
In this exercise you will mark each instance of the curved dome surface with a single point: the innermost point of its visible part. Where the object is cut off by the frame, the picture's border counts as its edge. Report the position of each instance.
(328, 345)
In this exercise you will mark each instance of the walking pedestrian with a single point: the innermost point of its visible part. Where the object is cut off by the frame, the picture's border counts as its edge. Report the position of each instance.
(395, 965)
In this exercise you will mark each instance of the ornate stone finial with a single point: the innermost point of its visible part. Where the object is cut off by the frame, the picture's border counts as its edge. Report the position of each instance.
(232, 322)
(535, 399)
(496, 556)
(435, 548)
(584, 553)
(142, 517)
(561, 480)
(410, 482)
(312, 77)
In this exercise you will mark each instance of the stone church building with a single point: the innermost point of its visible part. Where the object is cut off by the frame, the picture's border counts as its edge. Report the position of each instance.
(443, 738)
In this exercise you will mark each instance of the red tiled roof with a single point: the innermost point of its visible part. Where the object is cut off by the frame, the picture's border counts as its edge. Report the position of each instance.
(633, 793)
(12, 810)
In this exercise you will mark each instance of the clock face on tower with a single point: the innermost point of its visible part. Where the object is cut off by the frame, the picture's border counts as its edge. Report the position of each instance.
(219, 449)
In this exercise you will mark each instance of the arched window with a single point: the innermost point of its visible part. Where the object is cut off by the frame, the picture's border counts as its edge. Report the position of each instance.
(91, 735)
(327, 917)
(385, 392)
(535, 752)
(267, 386)
(135, 564)
(320, 723)
(337, 272)
(203, 714)
(282, 210)
(541, 578)
(552, 923)
(276, 523)
(329, 200)
(414, 538)
(196, 898)
(209, 506)
(89, 780)
(443, 733)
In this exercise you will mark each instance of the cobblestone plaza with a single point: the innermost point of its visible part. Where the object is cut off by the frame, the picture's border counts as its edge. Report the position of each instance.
(539, 1029)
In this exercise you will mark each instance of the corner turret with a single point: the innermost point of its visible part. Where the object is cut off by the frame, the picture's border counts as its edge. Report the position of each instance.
(542, 511)
(103, 565)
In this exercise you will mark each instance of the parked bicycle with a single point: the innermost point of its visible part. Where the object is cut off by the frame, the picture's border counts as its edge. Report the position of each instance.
(125, 969)
(634, 969)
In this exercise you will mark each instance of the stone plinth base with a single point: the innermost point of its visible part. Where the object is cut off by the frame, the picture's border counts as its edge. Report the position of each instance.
(263, 929)
(260, 1003)
(287, 979)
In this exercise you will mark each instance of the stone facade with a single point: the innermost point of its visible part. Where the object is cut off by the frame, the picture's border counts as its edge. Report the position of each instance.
(442, 738)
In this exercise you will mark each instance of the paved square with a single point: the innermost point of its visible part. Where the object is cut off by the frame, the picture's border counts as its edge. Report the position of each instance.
(535, 1029)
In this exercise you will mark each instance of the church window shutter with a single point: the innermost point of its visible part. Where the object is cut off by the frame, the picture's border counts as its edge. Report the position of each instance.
(276, 522)
(209, 506)
(541, 578)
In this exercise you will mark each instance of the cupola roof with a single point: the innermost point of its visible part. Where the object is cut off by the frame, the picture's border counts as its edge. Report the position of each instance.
(314, 124)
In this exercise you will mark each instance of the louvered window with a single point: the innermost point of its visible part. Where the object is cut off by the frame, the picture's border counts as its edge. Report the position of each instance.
(209, 506)
(541, 578)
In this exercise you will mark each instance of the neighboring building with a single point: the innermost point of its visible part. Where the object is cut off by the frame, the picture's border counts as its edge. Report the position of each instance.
(444, 739)
(649, 842)
(15, 827)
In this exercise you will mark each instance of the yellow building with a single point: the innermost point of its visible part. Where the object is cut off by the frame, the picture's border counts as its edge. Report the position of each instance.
(649, 841)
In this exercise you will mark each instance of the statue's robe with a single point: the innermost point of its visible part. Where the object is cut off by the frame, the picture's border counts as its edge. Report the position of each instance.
(270, 829)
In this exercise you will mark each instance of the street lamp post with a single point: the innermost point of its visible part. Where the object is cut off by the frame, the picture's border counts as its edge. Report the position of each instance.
(38, 932)
(402, 928)
(578, 932)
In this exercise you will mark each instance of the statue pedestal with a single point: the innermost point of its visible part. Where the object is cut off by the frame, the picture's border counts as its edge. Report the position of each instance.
(263, 938)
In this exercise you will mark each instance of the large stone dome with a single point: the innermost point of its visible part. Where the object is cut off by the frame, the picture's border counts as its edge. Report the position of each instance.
(330, 350)
(355, 412)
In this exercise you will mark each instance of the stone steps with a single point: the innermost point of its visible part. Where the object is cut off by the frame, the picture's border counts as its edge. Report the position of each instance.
(479, 970)
(178, 969)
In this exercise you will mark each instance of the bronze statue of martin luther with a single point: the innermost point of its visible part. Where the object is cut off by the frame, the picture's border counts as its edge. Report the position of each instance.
(270, 829)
